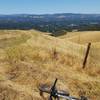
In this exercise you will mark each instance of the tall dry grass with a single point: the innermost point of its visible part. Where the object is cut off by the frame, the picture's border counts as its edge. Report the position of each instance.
(40, 60)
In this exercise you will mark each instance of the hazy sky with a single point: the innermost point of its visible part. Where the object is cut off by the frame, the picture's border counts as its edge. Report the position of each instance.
(49, 6)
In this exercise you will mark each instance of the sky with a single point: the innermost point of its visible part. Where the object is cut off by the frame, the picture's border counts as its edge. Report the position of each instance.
(49, 6)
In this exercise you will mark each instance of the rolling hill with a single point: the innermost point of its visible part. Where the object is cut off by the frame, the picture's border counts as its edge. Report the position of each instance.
(30, 58)
(82, 37)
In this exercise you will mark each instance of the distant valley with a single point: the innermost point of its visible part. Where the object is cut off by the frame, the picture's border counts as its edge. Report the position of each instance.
(57, 24)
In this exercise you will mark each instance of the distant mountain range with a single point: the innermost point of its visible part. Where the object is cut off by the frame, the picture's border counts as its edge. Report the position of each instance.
(49, 17)
(55, 23)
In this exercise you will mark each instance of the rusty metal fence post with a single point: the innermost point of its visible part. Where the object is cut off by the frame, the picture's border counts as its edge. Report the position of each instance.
(86, 55)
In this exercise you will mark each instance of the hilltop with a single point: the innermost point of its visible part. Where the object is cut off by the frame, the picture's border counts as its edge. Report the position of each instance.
(82, 37)
(29, 58)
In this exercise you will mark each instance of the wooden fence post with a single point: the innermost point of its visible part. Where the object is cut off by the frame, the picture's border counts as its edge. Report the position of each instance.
(86, 55)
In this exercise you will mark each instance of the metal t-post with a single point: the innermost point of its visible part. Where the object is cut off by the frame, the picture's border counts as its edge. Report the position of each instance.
(86, 55)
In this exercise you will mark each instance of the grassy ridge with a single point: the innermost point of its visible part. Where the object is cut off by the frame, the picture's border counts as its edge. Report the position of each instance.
(4, 43)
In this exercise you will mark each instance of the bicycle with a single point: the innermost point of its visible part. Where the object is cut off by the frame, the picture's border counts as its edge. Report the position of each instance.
(57, 94)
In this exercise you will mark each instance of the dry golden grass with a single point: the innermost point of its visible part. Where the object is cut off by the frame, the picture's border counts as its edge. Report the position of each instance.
(83, 37)
(12, 38)
(41, 59)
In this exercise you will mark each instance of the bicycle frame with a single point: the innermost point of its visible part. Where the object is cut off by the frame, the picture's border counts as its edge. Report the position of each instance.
(56, 94)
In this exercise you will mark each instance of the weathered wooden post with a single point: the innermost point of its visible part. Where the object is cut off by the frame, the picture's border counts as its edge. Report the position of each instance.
(86, 55)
